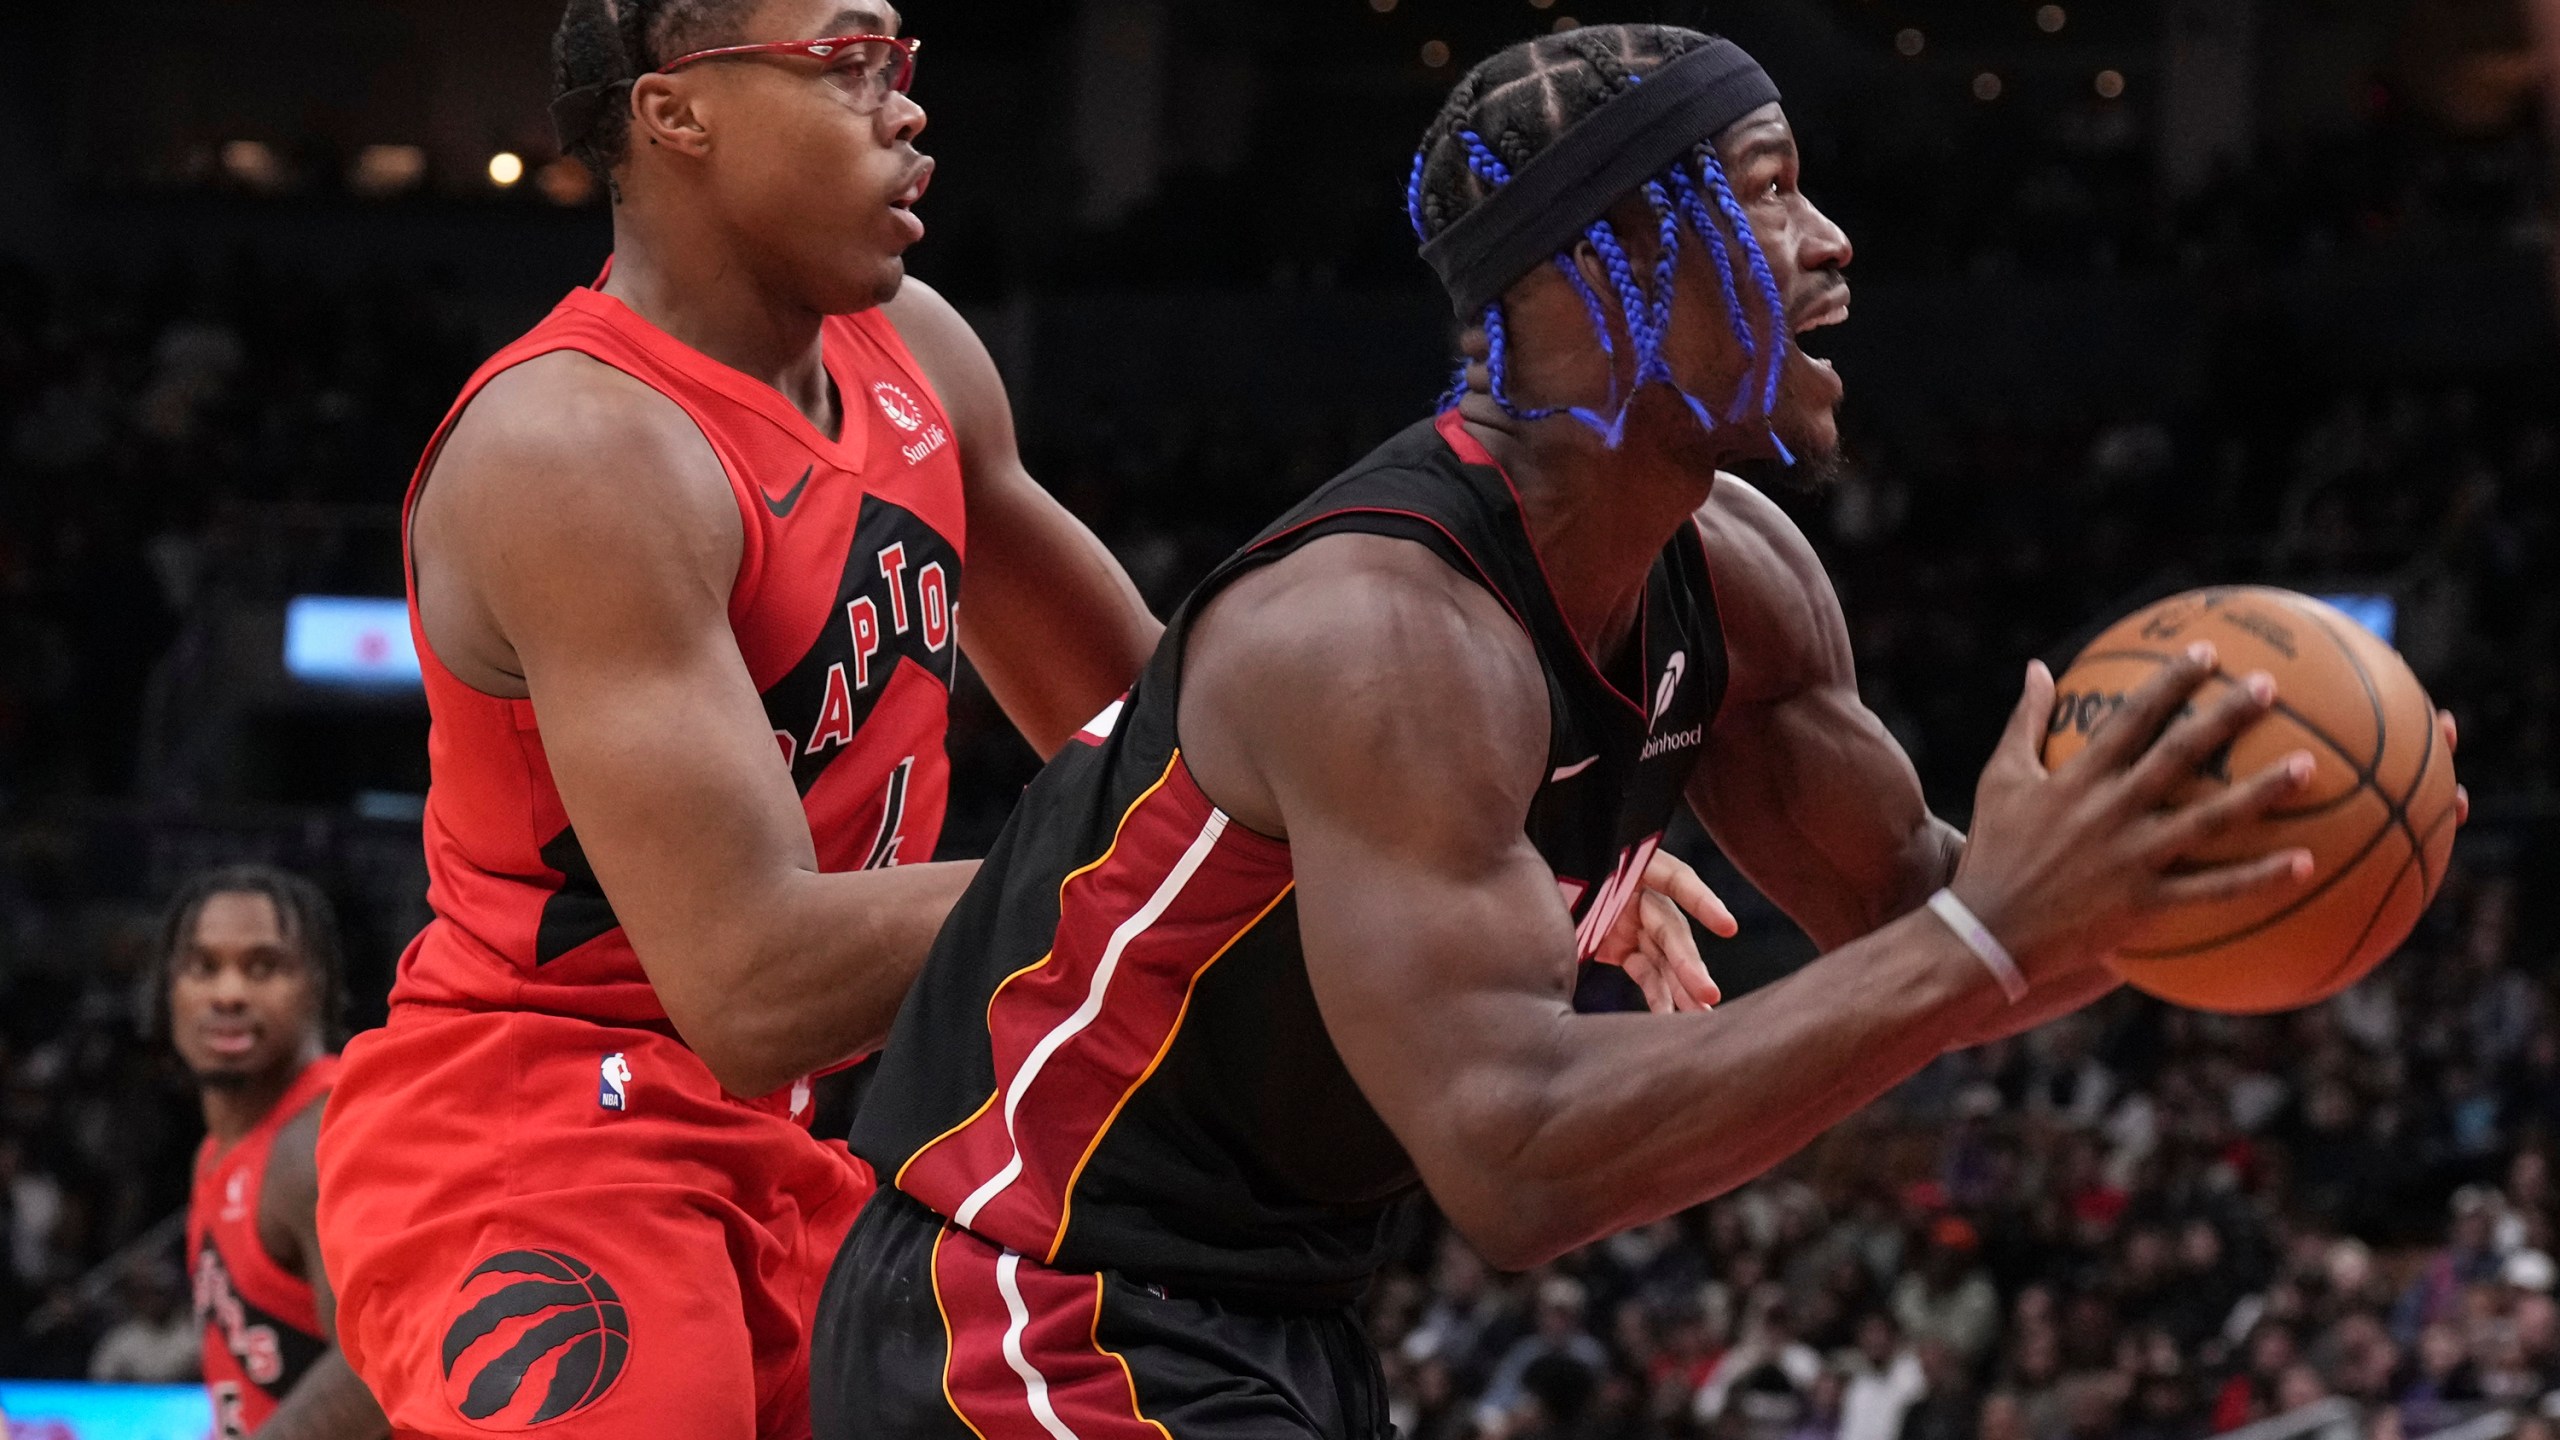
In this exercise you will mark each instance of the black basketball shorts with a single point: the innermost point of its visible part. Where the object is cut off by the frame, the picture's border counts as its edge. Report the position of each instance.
(927, 1332)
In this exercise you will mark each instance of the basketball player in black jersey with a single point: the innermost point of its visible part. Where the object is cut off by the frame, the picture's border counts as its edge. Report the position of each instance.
(1291, 934)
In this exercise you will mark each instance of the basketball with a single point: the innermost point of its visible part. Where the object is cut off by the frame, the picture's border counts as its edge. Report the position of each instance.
(2377, 814)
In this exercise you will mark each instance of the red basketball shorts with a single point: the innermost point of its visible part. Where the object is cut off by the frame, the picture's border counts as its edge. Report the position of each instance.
(532, 1220)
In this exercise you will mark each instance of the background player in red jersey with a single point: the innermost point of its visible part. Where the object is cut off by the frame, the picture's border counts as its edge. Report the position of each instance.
(250, 957)
(712, 509)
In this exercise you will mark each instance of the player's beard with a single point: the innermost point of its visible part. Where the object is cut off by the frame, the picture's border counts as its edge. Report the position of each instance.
(1820, 474)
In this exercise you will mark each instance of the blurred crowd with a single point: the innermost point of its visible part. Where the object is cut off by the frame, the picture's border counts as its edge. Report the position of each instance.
(144, 420)
(2139, 1222)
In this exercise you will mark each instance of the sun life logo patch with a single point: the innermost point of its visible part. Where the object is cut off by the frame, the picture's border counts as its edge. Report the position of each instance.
(899, 406)
(537, 1335)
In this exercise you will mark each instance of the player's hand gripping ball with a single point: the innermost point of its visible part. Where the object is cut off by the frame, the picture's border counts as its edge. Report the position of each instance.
(2378, 814)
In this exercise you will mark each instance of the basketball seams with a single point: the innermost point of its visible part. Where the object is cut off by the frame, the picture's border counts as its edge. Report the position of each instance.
(2355, 947)
(2381, 735)
(2372, 697)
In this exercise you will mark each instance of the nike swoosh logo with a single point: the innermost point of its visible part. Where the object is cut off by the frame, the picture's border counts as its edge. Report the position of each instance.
(783, 507)
(1567, 772)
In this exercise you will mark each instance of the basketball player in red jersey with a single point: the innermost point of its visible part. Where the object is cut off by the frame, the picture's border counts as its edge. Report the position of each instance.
(686, 578)
(250, 967)
(1290, 936)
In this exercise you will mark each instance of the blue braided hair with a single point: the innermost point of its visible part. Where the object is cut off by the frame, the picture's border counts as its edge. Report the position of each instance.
(1512, 106)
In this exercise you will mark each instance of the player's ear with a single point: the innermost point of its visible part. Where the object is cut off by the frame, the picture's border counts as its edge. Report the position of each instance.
(1595, 271)
(667, 113)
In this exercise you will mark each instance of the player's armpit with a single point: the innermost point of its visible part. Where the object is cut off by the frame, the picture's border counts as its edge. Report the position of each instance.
(595, 527)
(1801, 785)
(1052, 623)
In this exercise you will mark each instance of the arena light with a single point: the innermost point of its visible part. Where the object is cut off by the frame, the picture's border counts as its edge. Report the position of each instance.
(2050, 19)
(387, 169)
(505, 168)
(2110, 84)
(254, 163)
(1542, 4)
(1986, 86)
(1564, 23)
(1435, 53)
(1382, 6)
(565, 182)
(1910, 41)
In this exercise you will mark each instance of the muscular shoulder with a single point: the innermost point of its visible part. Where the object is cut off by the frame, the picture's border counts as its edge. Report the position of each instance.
(1782, 624)
(566, 483)
(1361, 655)
(567, 436)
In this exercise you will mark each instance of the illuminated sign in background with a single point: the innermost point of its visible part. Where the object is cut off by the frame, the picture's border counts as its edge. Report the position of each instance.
(349, 640)
(49, 1410)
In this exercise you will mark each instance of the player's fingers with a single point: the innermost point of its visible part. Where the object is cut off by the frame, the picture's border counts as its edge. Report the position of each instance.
(2225, 882)
(2461, 806)
(2193, 738)
(2022, 740)
(1697, 984)
(2124, 735)
(1669, 875)
(1668, 935)
(2252, 797)
(2452, 732)
(1661, 996)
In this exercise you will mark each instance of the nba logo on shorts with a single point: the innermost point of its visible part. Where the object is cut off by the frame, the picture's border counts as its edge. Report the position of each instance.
(613, 1091)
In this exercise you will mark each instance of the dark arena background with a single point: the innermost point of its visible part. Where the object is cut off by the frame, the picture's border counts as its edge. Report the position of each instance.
(2150, 293)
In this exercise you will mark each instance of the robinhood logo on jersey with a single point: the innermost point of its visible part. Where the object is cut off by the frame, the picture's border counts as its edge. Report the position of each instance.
(907, 415)
(1676, 740)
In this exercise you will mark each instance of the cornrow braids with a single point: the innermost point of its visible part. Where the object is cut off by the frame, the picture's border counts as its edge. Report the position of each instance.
(601, 46)
(1507, 110)
(303, 912)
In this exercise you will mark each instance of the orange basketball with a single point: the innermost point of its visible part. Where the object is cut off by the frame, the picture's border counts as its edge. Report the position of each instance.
(2377, 814)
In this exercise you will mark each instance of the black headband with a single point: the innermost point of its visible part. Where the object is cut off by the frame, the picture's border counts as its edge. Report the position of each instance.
(1611, 151)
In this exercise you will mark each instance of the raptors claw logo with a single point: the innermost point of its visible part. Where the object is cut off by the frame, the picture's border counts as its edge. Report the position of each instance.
(529, 1307)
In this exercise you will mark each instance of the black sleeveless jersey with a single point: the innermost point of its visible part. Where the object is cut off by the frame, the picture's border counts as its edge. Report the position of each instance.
(1113, 1060)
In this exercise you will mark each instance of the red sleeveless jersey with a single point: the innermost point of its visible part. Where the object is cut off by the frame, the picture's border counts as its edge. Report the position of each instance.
(845, 609)
(261, 1324)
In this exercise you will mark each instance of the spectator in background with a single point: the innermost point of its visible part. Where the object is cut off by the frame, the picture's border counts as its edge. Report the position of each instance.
(30, 1211)
(1950, 1299)
(1947, 1409)
(1762, 1382)
(2466, 1259)
(1884, 1382)
(158, 1342)
(1560, 1335)
(1468, 1322)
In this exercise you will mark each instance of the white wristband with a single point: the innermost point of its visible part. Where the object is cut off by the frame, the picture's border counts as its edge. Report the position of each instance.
(1977, 937)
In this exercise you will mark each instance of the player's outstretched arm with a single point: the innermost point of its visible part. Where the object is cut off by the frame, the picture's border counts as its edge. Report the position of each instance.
(578, 535)
(329, 1402)
(1802, 786)
(1051, 621)
(1391, 722)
